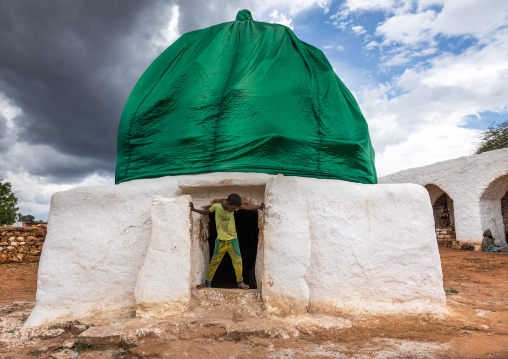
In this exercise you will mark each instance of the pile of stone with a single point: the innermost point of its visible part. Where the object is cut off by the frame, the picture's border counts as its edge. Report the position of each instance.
(445, 234)
(21, 244)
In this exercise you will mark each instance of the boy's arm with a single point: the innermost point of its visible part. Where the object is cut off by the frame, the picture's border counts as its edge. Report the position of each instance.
(250, 207)
(200, 211)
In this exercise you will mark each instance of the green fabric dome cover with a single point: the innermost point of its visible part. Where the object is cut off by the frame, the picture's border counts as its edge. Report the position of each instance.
(243, 96)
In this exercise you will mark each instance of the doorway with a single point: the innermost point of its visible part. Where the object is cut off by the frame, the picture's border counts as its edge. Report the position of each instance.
(444, 218)
(248, 233)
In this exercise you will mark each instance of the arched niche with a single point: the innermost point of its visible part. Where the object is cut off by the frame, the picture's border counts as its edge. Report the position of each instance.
(444, 216)
(493, 216)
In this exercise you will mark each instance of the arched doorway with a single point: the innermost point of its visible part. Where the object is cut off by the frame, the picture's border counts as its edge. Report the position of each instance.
(444, 217)
(494, 208)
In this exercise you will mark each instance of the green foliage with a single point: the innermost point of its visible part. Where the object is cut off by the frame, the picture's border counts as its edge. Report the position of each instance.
(451, 291)
(28, 218)
(494, 138)
(79, 346)
(8, 202)
(35, 352)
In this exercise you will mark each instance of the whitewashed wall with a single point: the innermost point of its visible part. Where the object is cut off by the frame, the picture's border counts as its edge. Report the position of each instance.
(96, 243)
(351, 248)
(163, 286)
(325, 246)
(476, 185)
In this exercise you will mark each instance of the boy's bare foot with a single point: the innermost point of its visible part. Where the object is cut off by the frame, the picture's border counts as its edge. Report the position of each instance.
(243, 286)
(204, 285)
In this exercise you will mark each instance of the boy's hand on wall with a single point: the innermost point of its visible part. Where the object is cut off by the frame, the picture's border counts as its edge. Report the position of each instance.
(191, 205)
(262, 205)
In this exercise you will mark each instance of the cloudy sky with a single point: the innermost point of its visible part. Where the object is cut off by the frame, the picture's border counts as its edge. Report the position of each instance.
(428, 75)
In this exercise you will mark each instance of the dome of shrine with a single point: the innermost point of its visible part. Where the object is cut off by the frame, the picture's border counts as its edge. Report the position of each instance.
(243, 96)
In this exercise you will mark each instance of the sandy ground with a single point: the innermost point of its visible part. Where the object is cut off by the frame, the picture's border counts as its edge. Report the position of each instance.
(476, 284)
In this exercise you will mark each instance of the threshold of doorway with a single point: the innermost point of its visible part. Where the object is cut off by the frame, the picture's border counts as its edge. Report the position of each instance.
(227, 294)
(247, 302)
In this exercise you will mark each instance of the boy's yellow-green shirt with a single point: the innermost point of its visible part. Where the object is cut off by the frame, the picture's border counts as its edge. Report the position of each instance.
(225, 222)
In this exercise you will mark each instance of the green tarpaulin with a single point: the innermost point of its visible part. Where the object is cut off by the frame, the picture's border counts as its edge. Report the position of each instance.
(243, 96)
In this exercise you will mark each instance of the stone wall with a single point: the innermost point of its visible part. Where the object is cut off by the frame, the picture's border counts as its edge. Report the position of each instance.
(18, 244)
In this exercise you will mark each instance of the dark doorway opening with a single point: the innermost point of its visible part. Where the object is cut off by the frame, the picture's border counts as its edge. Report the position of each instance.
(248, 232)
(444, 218)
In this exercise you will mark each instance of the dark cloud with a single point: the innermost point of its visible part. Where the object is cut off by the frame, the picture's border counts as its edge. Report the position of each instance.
(70, 66)
(198, 14)
(4, 138)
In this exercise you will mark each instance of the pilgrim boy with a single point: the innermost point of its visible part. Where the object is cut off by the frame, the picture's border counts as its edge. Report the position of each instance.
(226, 241)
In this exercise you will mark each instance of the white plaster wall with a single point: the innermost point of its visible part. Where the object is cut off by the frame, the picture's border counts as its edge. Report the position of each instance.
(434, 192)
(374, 248)
(97, 240)
(465, 180)
(260, 256)
(98, 237)
(200, 249)
(451, 209)
(491, 211)
(163, 283)
(325, 242)
(96, 243)
(287, 248)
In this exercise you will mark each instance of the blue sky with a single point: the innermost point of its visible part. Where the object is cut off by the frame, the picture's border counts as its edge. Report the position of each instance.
(429, 75)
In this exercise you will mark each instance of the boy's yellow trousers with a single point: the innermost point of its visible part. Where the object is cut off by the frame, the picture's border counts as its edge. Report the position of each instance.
(221, 248)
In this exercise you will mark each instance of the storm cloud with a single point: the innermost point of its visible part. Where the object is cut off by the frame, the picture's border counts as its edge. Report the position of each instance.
(70, 66)
(67, 68)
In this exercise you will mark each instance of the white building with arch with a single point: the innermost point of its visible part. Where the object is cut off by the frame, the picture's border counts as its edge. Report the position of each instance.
(468, 194)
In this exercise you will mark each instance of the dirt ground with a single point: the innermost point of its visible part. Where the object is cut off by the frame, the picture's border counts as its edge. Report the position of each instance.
(476, 284)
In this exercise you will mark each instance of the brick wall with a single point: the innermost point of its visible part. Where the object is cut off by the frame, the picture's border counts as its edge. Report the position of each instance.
(19, 244)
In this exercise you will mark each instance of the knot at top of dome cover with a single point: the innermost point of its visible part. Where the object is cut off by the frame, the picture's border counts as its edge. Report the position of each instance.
(243, 96)
(244, 15)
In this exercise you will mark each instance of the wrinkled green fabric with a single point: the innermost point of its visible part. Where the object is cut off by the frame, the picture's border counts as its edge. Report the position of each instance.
(243, 96)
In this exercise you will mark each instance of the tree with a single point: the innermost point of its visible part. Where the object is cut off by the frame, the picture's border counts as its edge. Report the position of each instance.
(28, 218)
(8, 202)
(493, 138)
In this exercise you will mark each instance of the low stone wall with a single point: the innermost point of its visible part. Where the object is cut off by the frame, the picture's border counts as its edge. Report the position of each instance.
(445, 234)
(18, 244)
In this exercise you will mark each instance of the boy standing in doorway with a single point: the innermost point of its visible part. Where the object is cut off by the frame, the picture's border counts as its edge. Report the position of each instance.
(227, 239)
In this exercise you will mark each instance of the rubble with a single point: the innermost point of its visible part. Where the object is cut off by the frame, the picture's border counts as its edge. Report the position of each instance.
(22, 244)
